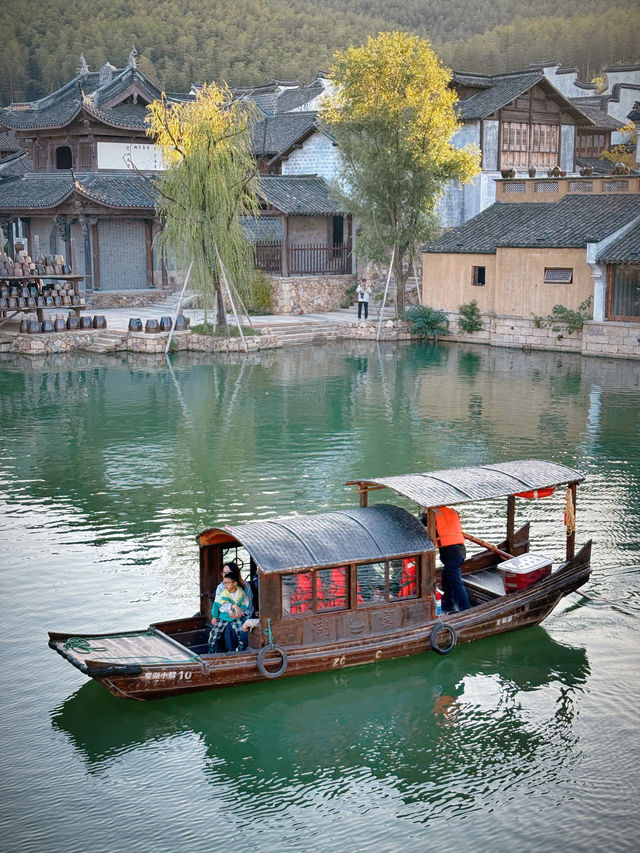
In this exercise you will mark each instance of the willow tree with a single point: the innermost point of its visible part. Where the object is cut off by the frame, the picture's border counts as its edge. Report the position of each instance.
(393, 118)
(208, 185)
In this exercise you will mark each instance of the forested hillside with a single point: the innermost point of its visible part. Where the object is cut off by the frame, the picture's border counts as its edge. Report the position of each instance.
(248, 41)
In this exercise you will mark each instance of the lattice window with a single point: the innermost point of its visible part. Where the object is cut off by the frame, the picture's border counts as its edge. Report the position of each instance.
(615, 186)
(546, 186)
(514, 187)
(558, 275)
(580, 186)
(590, 144)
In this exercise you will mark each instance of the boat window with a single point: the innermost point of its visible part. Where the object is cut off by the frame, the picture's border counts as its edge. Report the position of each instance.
(403, 578)
(388, 581)
(372, 583)
(297, 593)
(331, 592)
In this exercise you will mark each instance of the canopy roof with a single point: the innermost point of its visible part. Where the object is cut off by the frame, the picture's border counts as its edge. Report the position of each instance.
(462, 485)
(379, 532)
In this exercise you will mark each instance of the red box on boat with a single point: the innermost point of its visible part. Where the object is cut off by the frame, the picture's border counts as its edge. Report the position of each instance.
(520, 572)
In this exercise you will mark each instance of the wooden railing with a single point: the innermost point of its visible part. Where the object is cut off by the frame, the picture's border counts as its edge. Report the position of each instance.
(304, 259)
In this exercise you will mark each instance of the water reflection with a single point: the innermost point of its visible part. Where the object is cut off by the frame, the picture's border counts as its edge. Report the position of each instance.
(502, 706)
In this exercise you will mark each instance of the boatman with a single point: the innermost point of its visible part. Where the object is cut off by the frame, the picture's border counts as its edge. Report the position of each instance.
(450, 541)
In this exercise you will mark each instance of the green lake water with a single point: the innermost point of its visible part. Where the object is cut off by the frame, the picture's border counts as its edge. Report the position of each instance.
(109, 468)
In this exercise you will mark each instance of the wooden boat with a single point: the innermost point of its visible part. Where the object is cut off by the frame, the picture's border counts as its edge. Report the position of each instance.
(348, 587)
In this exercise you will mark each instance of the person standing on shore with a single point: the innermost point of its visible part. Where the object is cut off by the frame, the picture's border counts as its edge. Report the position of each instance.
(364, 294)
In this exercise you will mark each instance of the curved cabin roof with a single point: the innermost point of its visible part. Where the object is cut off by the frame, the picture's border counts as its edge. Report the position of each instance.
(462, 485)
(379, 532)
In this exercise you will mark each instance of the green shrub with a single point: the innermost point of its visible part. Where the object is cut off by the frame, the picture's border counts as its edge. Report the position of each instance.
(563, 320)
(470, 319)
(259, 301)
(349, 295)
(427, 322)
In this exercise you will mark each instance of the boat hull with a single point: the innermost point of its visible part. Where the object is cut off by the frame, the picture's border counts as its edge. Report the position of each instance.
(203, 672)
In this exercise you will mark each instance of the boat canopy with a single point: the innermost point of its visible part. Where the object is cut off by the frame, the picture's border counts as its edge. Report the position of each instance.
(462, 485)
(360, 534)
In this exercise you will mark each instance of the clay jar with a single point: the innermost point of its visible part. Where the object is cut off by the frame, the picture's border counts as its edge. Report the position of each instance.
(47, 325)
(180, 324)
(135, 324)
(152, 327)
(34, 327)
(99, 321)
(24, 326)
(85, 323)
(72, 323)
(59, 324)
(165, 324)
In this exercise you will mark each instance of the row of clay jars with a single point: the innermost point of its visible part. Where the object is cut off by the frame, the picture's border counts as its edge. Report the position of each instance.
(21, 302)
(32, 326)
(153, 327)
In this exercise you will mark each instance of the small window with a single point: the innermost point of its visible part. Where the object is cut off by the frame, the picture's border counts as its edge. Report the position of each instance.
(479, 276)
(63, 157)
(558, 275)
(332, 592)
(388, 581)
(297, 594)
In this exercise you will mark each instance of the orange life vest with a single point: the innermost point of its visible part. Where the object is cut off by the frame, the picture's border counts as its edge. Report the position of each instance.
(337, 592)
(448, 527)
(302, 596)
(408, 578)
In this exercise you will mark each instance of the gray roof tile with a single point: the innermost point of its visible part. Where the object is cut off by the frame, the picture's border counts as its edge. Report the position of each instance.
(572, 222)
(275, 134)
(305, 195)
(49, 189)
(625, 250)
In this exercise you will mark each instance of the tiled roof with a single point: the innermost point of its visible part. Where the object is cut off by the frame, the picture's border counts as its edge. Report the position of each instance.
(305, 195)
(9, 142)
(16, 165)
(626, 249)
(502, 89)
(48, 189)
(292, 99)
(276, 133)
(601, 118)
(54, 115)
(572, 222)
(474, 81)
(127, 115)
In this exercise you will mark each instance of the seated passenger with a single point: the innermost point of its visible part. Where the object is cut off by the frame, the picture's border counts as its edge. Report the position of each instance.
(230, 608)
(245, 586)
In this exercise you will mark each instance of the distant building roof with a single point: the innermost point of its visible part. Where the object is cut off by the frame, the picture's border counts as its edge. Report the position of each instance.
(498, 90)
(16, 165)
(600, 118)
(96, 92)
(274, 134)
(304, 195)
(625, 250)
(572, 222)
(49, 189)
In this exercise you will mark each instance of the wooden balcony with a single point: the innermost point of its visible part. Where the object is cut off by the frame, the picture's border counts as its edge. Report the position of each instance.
(540, 189)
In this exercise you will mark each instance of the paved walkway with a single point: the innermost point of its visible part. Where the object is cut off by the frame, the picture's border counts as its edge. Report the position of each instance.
(118, 318)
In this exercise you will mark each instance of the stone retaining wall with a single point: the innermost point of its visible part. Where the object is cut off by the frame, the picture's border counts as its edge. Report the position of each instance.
(125, 299)
(611, 339)
(309, 294)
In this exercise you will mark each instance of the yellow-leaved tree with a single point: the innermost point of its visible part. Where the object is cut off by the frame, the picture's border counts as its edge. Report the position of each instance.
(393, 117)
(208, 186)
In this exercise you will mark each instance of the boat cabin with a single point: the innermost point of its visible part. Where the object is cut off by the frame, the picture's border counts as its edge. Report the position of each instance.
(326, 577)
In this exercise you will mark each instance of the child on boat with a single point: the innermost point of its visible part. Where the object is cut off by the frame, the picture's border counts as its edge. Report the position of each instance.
(230, 607)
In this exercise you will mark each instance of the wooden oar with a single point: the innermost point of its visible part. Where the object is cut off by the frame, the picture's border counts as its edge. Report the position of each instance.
(488, 546)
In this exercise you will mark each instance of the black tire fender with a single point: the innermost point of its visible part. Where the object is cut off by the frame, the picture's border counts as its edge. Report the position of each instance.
(274, 673)
(437, 628)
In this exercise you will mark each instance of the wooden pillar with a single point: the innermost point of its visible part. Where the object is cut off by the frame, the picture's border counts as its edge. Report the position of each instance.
(210, 571)
(571, 518)
(148, 230)
(430, 560)
(511, 517)
(364, 496)
(95, 242)
(27, 233)
(88, 259)
(285, 246)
